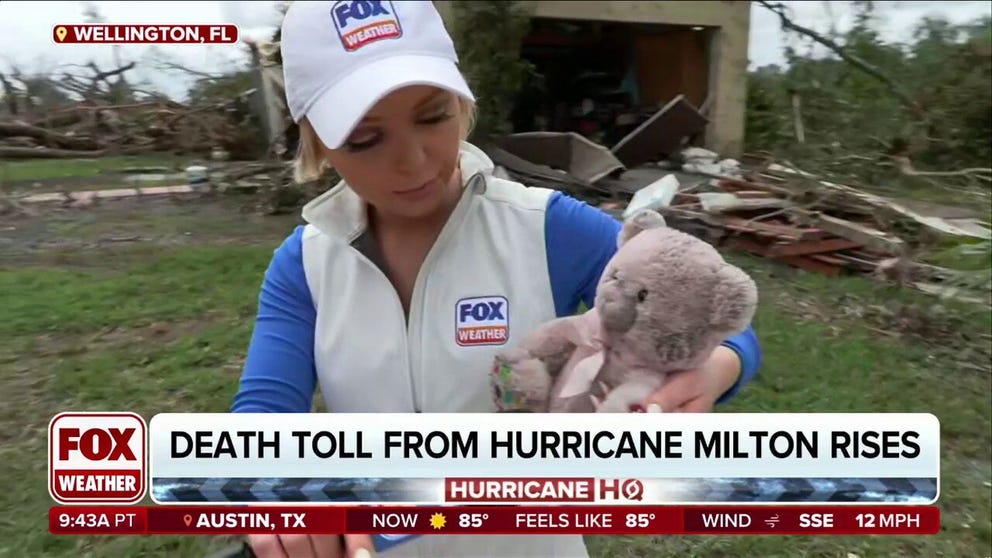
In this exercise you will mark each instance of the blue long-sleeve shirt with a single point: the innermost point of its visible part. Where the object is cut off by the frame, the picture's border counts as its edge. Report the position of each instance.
(279, 374)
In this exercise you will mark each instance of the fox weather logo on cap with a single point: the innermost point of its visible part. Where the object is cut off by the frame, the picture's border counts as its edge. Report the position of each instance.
(360, 22)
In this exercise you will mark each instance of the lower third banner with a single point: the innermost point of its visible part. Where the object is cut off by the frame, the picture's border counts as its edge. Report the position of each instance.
(495, 520)
(596, 458)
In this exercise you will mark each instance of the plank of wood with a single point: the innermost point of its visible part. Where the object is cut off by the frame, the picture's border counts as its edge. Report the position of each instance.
(823, 264)
(754, 194)
(728, 202)
(826, 258)
(785, 232)
(810, 264)
(735, 184)
(812, 247)
(778, 231)
(868, 236)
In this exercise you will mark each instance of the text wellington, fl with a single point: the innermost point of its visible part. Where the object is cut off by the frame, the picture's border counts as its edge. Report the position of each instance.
(511, 444)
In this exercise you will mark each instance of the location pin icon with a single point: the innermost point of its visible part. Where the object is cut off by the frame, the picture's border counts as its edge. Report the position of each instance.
(187, 519)
(61, 32)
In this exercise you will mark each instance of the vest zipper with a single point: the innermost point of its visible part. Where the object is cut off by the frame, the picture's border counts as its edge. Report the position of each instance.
(416, 301)
(399, 310)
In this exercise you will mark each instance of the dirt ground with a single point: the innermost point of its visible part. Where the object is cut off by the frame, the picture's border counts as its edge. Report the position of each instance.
(54, 234)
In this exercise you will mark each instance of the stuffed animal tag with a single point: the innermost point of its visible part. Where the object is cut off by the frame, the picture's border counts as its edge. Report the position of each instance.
(581, 377)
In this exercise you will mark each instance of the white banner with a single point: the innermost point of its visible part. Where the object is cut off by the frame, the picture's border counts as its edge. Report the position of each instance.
(634, 445)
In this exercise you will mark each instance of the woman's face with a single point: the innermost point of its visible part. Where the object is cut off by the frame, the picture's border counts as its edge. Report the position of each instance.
(401, 158)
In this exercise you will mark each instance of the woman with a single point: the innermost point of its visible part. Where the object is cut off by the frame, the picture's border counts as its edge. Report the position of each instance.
(362, 299)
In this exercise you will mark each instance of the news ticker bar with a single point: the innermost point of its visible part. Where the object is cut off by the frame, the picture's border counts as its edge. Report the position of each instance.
(495, 520)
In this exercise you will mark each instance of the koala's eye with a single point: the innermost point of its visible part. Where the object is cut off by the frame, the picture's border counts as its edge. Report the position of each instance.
(642, 294)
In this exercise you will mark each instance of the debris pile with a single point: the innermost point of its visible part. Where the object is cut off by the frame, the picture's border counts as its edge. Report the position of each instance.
(89, 116)
(756, 205)
(85, 129)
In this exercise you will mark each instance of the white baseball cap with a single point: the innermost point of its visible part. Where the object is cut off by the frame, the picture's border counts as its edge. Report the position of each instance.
(340, 58)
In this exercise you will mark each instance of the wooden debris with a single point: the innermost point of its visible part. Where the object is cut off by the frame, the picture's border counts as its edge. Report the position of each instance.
(565, 151)
(726, 202)
(766, 209)
(865, 235)
(811, 247)
(662, 134)
(829, 234)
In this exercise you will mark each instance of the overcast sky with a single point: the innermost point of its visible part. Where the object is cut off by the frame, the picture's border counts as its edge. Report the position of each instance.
(26, 28)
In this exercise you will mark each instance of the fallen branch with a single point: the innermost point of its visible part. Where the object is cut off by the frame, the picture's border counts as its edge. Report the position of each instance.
(852, 59)
(167, 65)
(48, 137)
(905, 166)
(102, 76)
(117, 107)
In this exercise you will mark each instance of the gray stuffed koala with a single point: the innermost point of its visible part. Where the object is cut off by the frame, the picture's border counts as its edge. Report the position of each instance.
(665, 301)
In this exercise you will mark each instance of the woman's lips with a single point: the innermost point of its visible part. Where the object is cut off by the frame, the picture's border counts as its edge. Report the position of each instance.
(425, 189)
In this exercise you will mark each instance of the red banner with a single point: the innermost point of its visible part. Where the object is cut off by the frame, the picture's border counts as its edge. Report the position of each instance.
(592, 520)
(100, 33)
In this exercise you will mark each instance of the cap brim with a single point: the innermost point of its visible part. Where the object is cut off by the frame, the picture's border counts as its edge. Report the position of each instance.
(338, 110)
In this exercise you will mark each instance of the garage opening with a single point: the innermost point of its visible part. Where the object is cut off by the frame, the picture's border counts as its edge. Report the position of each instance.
(603, 79)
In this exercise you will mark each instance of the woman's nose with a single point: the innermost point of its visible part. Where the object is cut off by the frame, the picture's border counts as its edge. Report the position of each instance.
(411, 153)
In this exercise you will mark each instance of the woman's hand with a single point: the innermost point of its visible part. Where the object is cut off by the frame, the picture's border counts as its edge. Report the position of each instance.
(696, 391)
(311, 546)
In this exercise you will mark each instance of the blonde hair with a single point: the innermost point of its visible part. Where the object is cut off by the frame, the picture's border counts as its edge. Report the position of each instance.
(311, 163)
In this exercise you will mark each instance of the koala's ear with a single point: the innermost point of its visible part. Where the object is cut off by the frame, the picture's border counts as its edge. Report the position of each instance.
(735, 300)
(640, 221)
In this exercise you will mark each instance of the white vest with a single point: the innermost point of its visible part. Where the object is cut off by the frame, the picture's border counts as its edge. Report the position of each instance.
(483, 286)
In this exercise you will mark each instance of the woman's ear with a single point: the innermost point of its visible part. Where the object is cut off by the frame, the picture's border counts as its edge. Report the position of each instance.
(640, 221)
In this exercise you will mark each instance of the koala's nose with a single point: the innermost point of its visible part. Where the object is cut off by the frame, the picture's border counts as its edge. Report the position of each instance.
(616, 310)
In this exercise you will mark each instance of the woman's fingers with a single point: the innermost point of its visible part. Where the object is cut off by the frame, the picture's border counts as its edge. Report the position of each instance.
(358, 546)
(309, 546)
(266, 546)
(299, 545)
(328, 546)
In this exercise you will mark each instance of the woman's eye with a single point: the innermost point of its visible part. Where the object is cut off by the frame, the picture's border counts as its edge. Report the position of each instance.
(437, 118)
(362, 145)
(642, 295)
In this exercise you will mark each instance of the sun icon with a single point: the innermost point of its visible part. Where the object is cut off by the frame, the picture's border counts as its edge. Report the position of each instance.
(438, 521)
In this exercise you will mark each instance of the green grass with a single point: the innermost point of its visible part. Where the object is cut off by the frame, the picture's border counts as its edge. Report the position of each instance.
(164, 329)
(45, 169)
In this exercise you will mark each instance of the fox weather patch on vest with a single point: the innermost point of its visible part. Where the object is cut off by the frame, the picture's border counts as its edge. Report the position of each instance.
(360, 22)
(483, 320)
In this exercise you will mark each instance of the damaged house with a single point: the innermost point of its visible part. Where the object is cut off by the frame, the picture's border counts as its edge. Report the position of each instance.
(606, 67)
